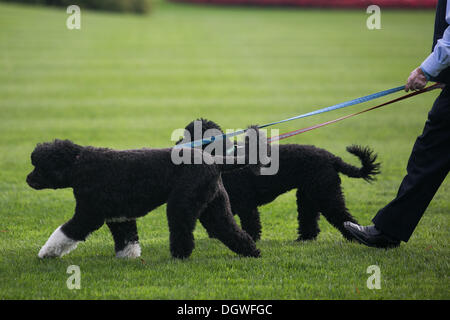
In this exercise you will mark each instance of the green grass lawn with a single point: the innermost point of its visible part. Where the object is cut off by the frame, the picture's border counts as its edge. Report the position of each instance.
(126, 81)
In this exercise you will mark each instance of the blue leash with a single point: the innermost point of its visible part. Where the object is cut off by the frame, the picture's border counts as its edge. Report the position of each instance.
(349, 103)
(340, 105)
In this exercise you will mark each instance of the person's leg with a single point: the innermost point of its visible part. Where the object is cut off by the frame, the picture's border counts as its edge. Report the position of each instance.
(427, 168)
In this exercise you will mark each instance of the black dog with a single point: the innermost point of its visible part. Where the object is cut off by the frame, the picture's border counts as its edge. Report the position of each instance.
(117, 187)
(310, 170)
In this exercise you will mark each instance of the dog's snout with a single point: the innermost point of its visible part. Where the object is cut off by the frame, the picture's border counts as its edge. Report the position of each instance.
(31, 181)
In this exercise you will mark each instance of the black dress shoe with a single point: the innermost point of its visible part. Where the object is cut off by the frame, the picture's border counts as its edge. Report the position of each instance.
(371, 236)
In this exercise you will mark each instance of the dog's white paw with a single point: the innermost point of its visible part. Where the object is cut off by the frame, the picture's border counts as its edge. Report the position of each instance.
(57, 245)
(131, 250)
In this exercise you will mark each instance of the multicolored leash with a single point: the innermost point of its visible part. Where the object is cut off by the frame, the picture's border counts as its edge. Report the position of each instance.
(340, 105)
(349, 103)
(299, 131)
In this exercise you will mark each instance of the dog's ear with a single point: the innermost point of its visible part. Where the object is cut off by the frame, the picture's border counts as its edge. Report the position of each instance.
(208, 124)
(55, 152)
(53, 162)
(254, 148)
(198, 127)
(66, 150)
(205, 125)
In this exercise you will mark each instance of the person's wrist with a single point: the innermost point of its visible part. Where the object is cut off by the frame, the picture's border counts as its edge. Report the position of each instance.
(424, 73)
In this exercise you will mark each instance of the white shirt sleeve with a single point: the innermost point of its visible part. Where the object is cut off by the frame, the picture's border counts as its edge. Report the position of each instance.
(439, 59)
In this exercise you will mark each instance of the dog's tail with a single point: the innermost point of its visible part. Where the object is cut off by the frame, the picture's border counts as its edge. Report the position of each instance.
(369, 168)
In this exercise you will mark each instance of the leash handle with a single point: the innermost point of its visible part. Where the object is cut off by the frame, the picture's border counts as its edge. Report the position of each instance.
(299, 131)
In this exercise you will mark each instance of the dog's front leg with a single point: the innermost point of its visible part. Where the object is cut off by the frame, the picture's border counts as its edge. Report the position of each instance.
(57, 245)
(65, 238)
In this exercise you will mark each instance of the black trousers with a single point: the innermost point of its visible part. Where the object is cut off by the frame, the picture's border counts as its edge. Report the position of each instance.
(427, 168)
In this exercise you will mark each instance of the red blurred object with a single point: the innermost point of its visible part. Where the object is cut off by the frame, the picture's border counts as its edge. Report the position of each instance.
(325, 3)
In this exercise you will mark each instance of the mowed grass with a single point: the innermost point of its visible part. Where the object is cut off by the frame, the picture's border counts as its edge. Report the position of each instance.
(126, 81)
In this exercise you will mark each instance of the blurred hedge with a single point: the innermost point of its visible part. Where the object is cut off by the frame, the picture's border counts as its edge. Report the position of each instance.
(136, 6)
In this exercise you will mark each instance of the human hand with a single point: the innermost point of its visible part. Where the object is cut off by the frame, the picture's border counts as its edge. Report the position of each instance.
(416, 81)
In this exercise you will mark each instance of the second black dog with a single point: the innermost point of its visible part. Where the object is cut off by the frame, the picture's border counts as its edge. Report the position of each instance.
(314, 172)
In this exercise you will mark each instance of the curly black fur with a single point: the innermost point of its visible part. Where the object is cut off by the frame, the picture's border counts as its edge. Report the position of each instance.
(117, 187)
(314, 172)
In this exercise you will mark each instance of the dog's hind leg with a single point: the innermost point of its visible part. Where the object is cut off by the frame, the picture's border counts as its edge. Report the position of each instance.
(182, 214)
(126, 240)
(308, 216)
(334, 210)
(219, 222)
(250, 222)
